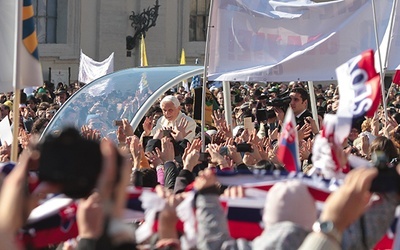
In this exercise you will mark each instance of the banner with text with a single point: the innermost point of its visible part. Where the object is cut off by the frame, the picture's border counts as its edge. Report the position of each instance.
(290, 40)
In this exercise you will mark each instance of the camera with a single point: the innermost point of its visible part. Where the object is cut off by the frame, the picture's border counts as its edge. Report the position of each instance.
(388, 179)
(264, 115)
(280, 102)
(72, 162)
(204, 157)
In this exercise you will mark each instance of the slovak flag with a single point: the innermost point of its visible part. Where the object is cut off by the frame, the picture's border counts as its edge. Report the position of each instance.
(288, 150)
(359, 90)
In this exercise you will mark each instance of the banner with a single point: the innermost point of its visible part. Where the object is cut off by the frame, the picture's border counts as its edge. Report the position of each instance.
(18, 46)
(290, 40)
(90, 69)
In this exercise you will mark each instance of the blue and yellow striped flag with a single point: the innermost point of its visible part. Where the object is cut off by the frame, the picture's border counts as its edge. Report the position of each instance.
(29, 68)
(29, 36)
(19, 57)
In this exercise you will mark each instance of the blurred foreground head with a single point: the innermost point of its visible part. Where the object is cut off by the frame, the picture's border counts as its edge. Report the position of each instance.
(70, 161)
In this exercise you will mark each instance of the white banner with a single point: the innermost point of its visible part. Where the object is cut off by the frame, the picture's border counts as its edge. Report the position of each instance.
(288, 40)
(90, 69)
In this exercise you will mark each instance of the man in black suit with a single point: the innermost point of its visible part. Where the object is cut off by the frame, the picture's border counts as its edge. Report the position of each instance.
(299, 104)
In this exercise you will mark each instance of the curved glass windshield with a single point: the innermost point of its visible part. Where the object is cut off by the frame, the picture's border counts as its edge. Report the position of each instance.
(116, 96)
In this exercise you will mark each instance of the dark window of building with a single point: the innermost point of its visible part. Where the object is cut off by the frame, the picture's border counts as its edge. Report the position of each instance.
(199, 11)
(46, 20)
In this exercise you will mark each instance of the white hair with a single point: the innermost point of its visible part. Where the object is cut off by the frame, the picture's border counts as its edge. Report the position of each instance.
(171, 98)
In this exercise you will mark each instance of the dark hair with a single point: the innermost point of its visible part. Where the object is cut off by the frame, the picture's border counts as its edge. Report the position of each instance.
(384, 144)
(303, 93)
(39, 125)
(149, 178)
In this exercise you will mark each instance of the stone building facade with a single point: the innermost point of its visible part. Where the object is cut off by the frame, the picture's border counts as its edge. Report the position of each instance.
(100, 27)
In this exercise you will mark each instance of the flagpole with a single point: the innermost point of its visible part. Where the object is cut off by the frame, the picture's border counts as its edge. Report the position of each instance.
(15, 123)
(313, 103)
(14, 145)
(392, 14)
(380, 62)
(203, 96)
(227, 103)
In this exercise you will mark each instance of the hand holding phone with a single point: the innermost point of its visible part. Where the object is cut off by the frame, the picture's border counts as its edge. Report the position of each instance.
(244, 147)
(204, 157)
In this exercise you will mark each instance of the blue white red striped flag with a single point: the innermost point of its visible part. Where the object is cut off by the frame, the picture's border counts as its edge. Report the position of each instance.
(359, 90)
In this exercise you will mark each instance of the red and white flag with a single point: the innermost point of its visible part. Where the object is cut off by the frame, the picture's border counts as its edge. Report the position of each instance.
(288, 150)
(359, 90)
(396, 77)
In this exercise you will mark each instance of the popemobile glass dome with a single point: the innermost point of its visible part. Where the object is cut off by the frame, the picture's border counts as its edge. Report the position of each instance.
(124, 94)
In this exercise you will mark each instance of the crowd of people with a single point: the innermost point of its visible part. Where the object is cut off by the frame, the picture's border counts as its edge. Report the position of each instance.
(165, 154)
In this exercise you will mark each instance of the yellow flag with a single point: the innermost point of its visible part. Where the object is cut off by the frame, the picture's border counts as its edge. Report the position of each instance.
(183, 58)
(143, 56)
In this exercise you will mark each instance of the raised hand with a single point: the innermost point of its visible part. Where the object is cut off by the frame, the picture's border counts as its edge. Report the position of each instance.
(148, 125)
(128, 130)
(218, 118)
(168, 152)
(90, 134)
(226, 129)
(179, 133)
(216, 157)
(154, 158)
(191, 154)
(136, 150)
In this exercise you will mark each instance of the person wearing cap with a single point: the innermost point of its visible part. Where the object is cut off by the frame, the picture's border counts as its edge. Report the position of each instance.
(9, 104)
(240, 111)
(188, 106)
(61, 96)
(43, 95)
(273, 92)
(172, 118)
(238, 100)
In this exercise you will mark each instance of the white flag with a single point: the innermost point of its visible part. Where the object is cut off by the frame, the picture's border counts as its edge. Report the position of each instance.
(285, 40)
(90, 69)
(6, 136)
